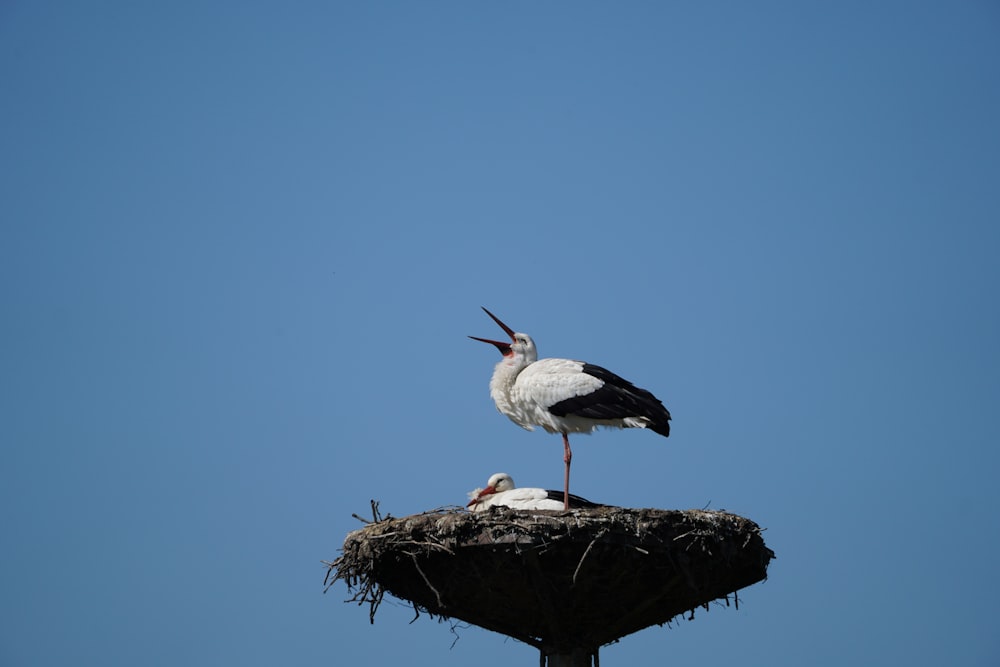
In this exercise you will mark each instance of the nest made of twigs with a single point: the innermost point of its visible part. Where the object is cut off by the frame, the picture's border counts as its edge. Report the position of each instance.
(582, 578)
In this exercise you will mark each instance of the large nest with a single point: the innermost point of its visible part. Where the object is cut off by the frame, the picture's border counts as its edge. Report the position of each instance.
(555, 580)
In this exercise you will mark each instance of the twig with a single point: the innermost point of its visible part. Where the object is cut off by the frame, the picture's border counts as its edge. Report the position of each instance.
(427, 581)
(432, 545)
(330, 567)
(599, 535)
(376, 517)
(455, 625)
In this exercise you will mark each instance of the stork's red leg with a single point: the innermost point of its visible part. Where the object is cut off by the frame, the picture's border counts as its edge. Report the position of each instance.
(567, 458)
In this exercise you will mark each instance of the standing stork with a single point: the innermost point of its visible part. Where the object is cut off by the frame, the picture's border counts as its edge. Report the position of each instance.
(566, 396)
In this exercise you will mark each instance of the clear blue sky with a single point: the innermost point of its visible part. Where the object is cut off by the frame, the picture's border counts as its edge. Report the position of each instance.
(243, 245)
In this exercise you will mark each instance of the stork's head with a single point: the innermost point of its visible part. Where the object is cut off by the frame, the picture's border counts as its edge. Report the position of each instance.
(520, 347)
(497, 483)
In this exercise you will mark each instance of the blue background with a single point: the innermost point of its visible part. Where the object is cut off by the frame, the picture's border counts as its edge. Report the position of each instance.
(243, 245)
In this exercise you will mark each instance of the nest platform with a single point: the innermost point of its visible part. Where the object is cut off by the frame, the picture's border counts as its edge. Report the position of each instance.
(560, 581)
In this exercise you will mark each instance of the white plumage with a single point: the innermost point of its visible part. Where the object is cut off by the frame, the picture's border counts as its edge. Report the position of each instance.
(567, 396)
(501, 492)
(527, 390)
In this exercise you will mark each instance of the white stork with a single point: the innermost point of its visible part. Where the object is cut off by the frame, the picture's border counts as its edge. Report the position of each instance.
(567, 396)
(501, 492)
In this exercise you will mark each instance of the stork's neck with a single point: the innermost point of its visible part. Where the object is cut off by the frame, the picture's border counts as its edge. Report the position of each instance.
(504, 376)
(509, 367)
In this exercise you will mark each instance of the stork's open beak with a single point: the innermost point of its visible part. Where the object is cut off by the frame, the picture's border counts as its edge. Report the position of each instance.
(485, 492)
(500, 345)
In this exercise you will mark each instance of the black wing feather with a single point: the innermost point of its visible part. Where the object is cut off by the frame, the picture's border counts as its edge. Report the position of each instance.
(617, 399)
(575, 502)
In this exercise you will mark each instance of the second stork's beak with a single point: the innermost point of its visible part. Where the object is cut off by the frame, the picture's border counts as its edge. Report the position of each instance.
(476, 497)
(500, 345)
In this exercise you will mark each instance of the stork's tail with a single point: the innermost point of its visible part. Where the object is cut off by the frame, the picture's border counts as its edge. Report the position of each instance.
(660, 423)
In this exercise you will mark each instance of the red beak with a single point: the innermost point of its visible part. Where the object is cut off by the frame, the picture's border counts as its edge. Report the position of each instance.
(500, 345)
(485, 492)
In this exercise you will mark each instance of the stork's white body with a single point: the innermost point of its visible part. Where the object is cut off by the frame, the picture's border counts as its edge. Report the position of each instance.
(501, 492)
(526, 391)
(519, 499)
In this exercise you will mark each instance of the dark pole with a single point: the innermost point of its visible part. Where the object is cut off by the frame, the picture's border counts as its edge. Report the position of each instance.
(579, 657)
